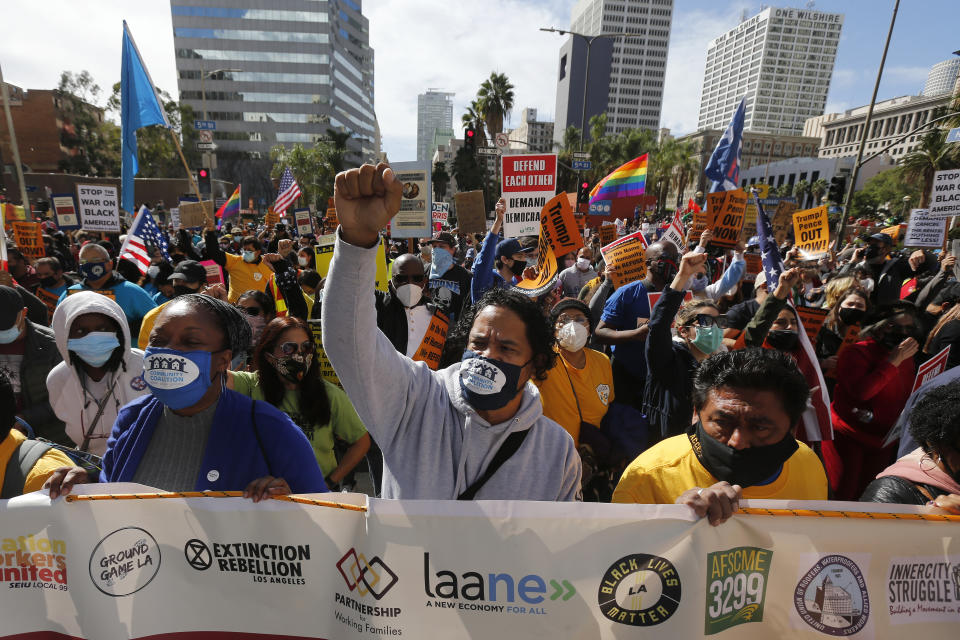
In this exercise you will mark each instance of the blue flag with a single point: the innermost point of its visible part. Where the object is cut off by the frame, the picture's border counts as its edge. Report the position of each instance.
(724, 165)
(140, 106)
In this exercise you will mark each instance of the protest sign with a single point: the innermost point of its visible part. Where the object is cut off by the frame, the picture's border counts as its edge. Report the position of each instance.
(581, 221)
(750, 212)
(441, 211)
(433, 340)
(924, 231)
(175, 217)
(48, 298)
(608, 233)
(223, 568)
(701, 221)
(673, 232)
(65, 208)
(304, 221)
(413, 219)
(726, 211)
(104, 292)
(29, 239)
(851, 337)
(323, 253)
(560, 226)
(323, 362)
(893, 232)
(654, 296)
(332, 221)
(471, 212)
(931, 368)
(529, 181)
(195, 214)
(99, 207)
(214, 272)
(627, 256)
(945, 194)
(547, 272)
(812, 320)
(782, 219)
(754, 263)
(811, 232)
(271, 218)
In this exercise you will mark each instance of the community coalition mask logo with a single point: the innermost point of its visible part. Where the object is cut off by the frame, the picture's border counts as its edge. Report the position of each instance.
(269, 563)
(924, 589)
(168, 371)
(640, 590)
(124, 562)
(33, 562)
(832, 597)
(736, 587)
(482, 377)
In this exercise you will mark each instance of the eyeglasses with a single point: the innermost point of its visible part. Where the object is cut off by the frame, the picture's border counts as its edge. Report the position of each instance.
(290, 348)
(562, 320)
(250, 311)
(706, 320)
(417, 277)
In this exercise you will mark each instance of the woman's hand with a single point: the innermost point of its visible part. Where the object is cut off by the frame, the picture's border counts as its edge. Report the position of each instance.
(949, 504)
(217, 291)
(266, 487)
(61, 481)
(903, 351)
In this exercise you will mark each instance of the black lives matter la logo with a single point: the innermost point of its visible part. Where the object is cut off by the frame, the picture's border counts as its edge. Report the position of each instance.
(640, 590)
(366, 577)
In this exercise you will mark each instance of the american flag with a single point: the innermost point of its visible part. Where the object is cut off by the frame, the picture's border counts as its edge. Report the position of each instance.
(143, 234)
(289, 191)
(772, 262)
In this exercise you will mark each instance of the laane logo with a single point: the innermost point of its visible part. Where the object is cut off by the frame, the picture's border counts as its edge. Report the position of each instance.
(446, 589)
(29, 562)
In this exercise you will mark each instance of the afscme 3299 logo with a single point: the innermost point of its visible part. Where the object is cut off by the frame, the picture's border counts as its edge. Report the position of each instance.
(364, 576)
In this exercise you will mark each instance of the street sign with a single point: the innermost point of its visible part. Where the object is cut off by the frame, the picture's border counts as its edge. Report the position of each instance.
(954, 135)
(581, 155)
(582, 165)
(205, 125)
(600, 208)
(502, 140)
(206, 146)
(205, 136)
(486, 151)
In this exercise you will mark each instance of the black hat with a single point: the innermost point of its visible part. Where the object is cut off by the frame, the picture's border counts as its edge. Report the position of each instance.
(445, 237)
(189, 270)
(11, 304)
(570, 303)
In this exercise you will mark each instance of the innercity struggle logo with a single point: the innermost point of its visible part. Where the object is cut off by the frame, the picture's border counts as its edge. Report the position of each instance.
(372, 577)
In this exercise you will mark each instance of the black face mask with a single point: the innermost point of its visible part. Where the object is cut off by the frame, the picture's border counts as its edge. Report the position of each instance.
(872, 253)
(517, 267)
(745, 467)
(177, 258)
(180, 290)
(48, 282)
(850, 315)
(895, 336)
(783, 339)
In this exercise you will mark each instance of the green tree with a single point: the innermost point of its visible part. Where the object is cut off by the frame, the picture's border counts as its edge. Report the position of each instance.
(686, 169)
(312, 168)
(817, 189)
(495, 99)
(884, 192)
(472, 117)
(440, 179)
(466, 171)
(93, 144)
(800, 191)
(932, 155)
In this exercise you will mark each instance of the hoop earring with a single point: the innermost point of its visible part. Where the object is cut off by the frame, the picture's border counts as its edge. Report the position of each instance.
(927, 456)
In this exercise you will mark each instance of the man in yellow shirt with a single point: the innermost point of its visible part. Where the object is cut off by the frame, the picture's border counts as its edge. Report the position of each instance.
(247, 271)
(748, 404)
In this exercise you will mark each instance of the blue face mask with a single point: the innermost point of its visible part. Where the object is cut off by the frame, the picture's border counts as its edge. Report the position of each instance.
(177, 378)
(488, 384)
(440, 263)
(708, 339)
(10, 335)
(249, 256)
(95, 348)
(93, 270)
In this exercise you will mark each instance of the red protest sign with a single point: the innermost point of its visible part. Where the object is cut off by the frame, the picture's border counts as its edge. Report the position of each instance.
(529, 181)
(812, 319)
(931, 368)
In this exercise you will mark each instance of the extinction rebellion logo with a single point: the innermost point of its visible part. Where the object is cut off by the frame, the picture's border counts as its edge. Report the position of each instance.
(268, 563)
(640, 590)
(736, 587)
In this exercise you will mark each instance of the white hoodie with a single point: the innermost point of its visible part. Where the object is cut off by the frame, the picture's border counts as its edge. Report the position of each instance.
(63, 381)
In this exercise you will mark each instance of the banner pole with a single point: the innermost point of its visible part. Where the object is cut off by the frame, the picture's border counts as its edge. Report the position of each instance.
(193, 183)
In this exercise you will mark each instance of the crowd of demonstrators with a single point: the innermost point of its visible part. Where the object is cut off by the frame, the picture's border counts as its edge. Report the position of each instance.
(695, 385)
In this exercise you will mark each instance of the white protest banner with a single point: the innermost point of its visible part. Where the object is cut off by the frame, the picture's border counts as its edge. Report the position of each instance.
(441, 211)
(228, 568)
(529, 181)
(65, 209)
(945, 194)
(414, 218)
(99, 207)
(924, 231)
(304, 221)
(931, 368)
(175, 217)
(674, 232)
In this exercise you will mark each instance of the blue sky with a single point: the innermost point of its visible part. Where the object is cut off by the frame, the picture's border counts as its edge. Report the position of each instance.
(454, 44)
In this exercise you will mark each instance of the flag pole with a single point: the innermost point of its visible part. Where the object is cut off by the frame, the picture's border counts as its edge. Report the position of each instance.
(193, 183)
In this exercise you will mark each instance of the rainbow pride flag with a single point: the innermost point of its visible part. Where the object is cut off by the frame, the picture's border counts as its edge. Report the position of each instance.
(628, 180)
(231, 207)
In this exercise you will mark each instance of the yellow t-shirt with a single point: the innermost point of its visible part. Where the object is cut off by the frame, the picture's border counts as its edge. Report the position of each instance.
(43, 469)
(664, 471)
(146, 325)
(245, 276)
(594, 388)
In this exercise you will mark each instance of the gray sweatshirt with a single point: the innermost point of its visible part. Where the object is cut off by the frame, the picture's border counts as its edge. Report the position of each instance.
(434, 444)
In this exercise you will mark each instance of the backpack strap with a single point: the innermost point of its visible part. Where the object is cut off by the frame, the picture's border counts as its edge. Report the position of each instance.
(19, 466)
(506, 450)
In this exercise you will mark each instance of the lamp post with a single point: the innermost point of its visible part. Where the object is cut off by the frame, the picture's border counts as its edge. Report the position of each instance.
(903, 211)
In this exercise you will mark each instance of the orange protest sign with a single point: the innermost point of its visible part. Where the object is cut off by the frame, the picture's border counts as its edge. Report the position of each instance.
(559, 225)
(433, 340)
(332, 221)
(851, 337)
(627, 256)
(29, 239)
(701, 221)
(547, 272)
(726, 210)
(754, 263)
(271, 218)
(608, 233)
(812, 319)
(893, 232)
(782, 220)
(49, 299)
(811, 232)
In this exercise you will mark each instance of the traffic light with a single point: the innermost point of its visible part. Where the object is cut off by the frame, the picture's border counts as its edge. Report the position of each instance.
(838, 191)
(470, 139)
(203, 181)
(583, 191)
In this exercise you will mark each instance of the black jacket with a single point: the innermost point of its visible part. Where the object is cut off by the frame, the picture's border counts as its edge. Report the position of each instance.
(888, 277)
(392, 319)
(896, 490)
(39, 357)
(451, 292)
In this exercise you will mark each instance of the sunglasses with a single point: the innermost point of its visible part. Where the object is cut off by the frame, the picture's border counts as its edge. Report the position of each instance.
(250, 311)
(418, 278)
(706, 320)
(290, 348)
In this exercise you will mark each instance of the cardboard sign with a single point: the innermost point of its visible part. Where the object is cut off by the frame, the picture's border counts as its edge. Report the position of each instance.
(304, 221)
(924, 231)
(628, 256)
(433, 340)
(29, 240)
(441, 211)
(332, 221)
(560, 226)
(811, 232)
(49, 299)
(272, 218)
(945, 194)
(701, 219)
(608, 233)
(414, 218)
(471, 212)
(754, 263)
(726, 210)
(99, 207)
(65, 208)
(529, 181)
(812, 319)
(195, 214)
(104, 292)
(547, 272)
(931, 368)
(782, 219)
(214, 272)
(326, 369)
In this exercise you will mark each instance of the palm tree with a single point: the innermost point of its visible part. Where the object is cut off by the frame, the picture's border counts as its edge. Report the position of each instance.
(472, 117)
(495, 98)
(817, 188)
(440, 179)
(686, 169)
(800, 190)
(933, 154)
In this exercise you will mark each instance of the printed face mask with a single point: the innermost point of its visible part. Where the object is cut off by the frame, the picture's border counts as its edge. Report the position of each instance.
(95, 348)
(293, 367)
(93, 270)
(177, 378)
(488, 384)
(442, 261)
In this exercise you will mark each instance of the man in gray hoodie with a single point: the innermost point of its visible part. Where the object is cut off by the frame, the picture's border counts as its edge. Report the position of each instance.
(442, 432)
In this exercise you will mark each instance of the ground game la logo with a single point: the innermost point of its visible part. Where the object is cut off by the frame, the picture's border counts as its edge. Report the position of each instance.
(124, 562)
(736, 587)
(640, 590)
(832, 597)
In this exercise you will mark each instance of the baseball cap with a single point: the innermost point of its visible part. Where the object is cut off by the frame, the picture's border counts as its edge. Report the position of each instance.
(760, 280)
(511, 246)
(11, 304)
(443, 236)
(882, 237)
(189, 270)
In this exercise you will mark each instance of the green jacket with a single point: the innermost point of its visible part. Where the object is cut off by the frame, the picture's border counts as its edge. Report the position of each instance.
(757, 329)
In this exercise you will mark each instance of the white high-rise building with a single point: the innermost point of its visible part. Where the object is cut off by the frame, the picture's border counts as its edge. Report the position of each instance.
(781, 60)
(434, 113)
(637, 66)
(942, 77)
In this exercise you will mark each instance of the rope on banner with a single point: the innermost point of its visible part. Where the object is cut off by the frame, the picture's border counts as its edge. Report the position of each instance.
(862, 515)
(213, 494)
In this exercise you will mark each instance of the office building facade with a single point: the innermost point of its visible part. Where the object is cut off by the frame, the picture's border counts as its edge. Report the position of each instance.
(274, 72)
(781, 60)
(434, 113)
(942, 78)
(532, 136)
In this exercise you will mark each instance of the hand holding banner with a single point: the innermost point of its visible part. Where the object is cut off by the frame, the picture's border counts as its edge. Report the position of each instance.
(627, 258)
